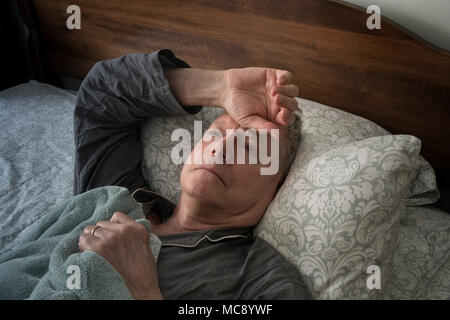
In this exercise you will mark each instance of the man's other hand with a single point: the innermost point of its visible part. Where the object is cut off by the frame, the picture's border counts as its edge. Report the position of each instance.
(124, 243)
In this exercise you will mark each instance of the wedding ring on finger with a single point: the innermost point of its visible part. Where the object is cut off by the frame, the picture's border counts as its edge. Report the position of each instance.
(93, 230)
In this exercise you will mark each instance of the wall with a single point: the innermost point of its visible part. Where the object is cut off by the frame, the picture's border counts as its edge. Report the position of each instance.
(429, 19)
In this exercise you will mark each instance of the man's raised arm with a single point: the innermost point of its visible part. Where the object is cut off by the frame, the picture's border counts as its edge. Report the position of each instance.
(114, 99)
(119, 94)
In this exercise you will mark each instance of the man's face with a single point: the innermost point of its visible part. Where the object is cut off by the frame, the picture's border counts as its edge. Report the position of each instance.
(231, 187)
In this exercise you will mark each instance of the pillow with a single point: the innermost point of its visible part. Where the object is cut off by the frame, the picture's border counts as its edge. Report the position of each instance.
(339, 210)
(331, 126)
(421, 263)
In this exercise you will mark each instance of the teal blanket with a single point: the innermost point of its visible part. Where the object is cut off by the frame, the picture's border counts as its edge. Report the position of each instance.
(47, 264)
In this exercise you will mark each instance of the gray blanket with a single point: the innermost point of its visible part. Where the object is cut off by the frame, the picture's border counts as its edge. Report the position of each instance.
(45, 262)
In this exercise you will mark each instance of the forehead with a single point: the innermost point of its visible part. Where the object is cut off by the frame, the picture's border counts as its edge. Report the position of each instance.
(225, 121)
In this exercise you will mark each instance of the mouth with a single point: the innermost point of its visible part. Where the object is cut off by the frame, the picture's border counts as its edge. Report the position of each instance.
(213, 172)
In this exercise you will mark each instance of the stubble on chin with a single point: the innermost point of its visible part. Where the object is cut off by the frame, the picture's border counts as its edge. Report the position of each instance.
(203, 186)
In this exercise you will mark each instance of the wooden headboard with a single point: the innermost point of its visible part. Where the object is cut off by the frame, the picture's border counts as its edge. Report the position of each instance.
(388, 76)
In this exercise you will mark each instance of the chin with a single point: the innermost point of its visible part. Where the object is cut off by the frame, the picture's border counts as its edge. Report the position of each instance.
(203, 186)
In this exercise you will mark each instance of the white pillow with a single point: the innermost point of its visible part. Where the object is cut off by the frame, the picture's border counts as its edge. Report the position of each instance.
(338, 212)
(331, 126)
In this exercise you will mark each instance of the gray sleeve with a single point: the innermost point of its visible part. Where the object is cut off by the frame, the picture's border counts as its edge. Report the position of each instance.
(284, 290)
(114, 99)
(282, 283)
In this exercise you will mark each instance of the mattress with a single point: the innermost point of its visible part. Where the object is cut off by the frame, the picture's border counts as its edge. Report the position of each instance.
(36, 155)
(36, 172)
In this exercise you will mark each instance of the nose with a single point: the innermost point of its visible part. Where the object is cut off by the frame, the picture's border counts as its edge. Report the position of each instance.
(219, 149)
(232, 140)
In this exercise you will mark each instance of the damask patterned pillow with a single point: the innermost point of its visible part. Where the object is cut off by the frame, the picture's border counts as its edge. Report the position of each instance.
(421, 263)
(339, 210)
(332, 127)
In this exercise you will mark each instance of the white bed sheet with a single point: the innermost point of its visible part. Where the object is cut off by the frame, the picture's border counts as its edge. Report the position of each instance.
(36, 155)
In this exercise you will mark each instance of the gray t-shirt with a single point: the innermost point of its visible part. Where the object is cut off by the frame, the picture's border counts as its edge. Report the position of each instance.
(227, 263)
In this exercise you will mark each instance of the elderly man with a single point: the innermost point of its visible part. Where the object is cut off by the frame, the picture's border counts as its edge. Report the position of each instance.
(208, 250)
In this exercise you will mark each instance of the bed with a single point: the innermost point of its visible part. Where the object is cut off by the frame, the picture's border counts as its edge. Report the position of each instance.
(388, 76)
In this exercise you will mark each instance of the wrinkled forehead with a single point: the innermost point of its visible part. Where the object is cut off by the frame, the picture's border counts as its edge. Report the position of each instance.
(225, 121)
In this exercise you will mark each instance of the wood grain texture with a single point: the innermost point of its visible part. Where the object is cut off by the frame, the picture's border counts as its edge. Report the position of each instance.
(387, 75)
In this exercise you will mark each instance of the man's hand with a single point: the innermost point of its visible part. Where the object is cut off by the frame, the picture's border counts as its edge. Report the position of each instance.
(254, 97)
(260, 97)
(124, 243)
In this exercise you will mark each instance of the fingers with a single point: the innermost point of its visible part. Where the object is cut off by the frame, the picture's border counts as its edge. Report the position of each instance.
(121, 223)
(284, 101)
(88, 242)
(290, 90)
(285, 117)
(120, 217)
(106, 225)
(100, 232)
(103, 228)
(283, 77)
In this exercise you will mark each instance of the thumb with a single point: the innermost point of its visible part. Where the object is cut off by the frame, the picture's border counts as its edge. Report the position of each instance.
(120, 217)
